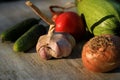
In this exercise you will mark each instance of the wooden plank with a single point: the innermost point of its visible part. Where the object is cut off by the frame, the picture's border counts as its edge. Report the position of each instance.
(29, 66)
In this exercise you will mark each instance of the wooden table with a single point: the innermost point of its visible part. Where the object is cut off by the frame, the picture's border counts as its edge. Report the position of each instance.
(29, 66)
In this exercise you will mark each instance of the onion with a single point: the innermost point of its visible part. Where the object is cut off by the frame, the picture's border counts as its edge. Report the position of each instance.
(102, 53)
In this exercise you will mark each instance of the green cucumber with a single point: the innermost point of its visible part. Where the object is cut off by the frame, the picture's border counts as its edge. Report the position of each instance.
(29, 38)
(14, 32)
(101, 16)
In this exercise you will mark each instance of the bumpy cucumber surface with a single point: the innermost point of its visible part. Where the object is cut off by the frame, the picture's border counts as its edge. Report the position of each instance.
(14, 32)
(29, 38)
(101, 16)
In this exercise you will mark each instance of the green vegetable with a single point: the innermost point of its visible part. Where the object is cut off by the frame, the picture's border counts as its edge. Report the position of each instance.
(101, 16)
(14, 32)
(29, 38)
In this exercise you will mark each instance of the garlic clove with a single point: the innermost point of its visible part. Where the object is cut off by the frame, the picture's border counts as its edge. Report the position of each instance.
(60, 45)
(44, 53)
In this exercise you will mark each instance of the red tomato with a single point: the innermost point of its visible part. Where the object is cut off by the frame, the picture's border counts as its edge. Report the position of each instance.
(70, 22)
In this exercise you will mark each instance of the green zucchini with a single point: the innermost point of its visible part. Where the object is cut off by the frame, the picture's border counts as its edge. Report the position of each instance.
(101, 16)
(14, 32)
(29, 38)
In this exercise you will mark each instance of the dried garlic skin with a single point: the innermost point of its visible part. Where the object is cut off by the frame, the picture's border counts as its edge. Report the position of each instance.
(55, 45)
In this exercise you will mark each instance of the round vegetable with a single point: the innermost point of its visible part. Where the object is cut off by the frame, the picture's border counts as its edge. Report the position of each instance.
(70, 22)
(102, 53)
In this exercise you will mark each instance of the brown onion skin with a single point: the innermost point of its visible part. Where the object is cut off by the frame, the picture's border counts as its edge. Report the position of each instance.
(102, 59)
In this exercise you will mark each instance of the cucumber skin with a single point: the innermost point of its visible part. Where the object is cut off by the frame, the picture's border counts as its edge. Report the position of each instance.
(29, 38)
(96, 13)
(14, 32)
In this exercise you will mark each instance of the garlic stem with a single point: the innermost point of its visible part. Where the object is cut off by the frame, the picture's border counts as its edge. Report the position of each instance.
(38, 12)
(51, 30)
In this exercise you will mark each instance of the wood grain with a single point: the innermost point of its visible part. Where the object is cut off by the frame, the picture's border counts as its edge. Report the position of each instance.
(29, 66)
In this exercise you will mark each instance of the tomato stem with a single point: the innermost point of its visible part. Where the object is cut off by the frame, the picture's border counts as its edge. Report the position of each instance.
(56, 6)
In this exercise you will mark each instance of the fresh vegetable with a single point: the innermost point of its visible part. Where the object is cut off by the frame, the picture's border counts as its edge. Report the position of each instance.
(14, 32)
(102, 53)
(72, 23)
(55, 45)
(68, 22)
(101, 16)
(29, 38)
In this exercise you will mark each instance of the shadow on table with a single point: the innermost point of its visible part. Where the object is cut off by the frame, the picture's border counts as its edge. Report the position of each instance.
(76, 53)
(30, 51)
(77, 50)
(117, 70)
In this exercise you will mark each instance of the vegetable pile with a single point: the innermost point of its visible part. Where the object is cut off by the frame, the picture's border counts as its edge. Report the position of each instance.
(101, 18)
(61, 37)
